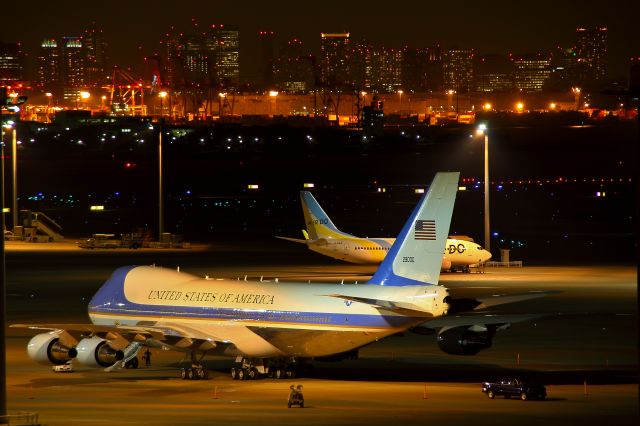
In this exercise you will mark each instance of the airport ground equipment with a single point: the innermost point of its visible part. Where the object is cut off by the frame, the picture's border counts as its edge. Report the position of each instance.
(518, 387)
(37, 227)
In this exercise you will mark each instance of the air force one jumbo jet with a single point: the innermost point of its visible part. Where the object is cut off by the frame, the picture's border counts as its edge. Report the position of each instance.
(272, 328)
(323, 237)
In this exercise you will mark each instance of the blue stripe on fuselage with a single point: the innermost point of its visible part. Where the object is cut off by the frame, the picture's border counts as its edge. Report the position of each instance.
(260, 316)
(110, 300)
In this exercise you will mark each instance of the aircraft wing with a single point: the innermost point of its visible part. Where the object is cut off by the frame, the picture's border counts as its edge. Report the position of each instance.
(476, 320)
(156, 331)
(407, 309)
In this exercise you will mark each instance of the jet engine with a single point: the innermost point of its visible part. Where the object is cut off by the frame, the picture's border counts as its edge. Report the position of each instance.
(96, 352)
(46, 348)
(446, 264)
(465, 340)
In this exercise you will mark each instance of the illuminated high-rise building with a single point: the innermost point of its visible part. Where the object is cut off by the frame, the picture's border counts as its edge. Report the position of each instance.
(388, 70)
(195, 51)
(433, 70)
(11, 64)
(361, 65)
(227, 55)
(61, 66)
(49, 66)
(335, 54)
(591, 45)
(457, 68)
(72, 66)
(492, 73)
(172, 66)
(530, 72)
(293, 70)
(95, 48)
(266, 60)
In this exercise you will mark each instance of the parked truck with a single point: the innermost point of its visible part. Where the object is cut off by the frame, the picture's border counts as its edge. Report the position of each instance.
(519, 387)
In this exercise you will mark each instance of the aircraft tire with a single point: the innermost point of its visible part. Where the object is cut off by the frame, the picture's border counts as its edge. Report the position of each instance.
(253, 374)
(202, 373)
(234, 373)
(183, 374)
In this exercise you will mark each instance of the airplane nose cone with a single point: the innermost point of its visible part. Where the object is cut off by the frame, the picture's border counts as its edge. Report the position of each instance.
(485, 255)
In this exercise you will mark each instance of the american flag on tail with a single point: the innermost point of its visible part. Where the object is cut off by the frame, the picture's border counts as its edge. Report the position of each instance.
(425, 230)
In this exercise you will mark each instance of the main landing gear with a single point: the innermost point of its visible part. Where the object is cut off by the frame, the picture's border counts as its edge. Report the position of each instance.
(251, 369)
(197, 370)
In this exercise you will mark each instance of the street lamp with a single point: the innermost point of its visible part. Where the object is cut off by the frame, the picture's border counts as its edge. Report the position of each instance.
(576, 95)
(14, 170)
(400, 92)
(519, 106)
(274, 94)
(482, 130)
(162, 95)
(160, 191)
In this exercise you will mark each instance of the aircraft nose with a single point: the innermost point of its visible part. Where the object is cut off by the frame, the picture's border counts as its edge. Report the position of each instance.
(485, 255)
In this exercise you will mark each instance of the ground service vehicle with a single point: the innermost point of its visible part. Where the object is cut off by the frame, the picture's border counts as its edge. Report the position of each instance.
(520, 387)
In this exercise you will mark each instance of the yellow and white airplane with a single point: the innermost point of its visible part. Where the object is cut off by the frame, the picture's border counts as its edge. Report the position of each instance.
(323, 237)
(273, 328)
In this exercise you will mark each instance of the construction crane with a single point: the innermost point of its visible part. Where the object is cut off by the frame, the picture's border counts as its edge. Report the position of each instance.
(127, 94)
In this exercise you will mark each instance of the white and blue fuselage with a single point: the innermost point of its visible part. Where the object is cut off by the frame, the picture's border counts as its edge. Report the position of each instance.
(292, 319)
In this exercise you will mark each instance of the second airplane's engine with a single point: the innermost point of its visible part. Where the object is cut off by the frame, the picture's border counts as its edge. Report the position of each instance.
(96, 352)
(464, 340)
(446, 264)
(46, 348)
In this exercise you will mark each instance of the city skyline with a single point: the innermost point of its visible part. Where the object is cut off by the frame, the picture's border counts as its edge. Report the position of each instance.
(134, 30)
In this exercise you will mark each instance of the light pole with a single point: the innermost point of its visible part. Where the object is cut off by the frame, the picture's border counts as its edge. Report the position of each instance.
(14, 169)
(160, 197)
(400, 92)
(162, 95)
(274, 95)
(576, 96)
(84, 96)
(482, 130)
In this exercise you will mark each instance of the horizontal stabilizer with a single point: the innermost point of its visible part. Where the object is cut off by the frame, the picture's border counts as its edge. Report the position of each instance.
(407, 309)
(294, 240)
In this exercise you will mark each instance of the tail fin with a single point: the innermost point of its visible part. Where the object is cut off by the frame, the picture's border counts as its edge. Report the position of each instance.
(416, 256)
(318, 223)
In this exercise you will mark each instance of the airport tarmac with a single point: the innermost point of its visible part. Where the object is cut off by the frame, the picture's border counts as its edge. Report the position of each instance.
(588, 334)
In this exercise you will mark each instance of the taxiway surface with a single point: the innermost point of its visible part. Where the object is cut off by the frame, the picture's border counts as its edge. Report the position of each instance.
(588, 334)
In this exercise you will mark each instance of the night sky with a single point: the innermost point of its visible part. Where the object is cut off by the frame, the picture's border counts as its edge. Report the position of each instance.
(487, 26)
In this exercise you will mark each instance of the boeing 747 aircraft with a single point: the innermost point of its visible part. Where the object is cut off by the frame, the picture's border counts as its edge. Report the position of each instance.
(323, 237)
(272, 328)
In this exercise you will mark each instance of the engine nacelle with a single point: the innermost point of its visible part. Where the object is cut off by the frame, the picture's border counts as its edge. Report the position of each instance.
(446, 264)
(46, 348)
(96, 352)
(462, 341)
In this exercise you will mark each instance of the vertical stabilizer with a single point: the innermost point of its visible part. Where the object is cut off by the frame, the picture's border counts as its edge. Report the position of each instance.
(416, 256)
(317, 221)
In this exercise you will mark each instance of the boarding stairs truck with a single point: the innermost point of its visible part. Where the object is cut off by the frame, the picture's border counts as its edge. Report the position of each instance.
(37, 227)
